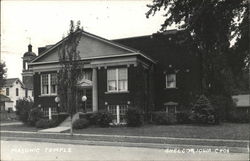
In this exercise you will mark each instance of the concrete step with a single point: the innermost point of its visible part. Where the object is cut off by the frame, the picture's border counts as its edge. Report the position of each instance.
(55, 129)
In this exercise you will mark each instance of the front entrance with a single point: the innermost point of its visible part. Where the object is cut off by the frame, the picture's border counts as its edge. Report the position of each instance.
(87, 105)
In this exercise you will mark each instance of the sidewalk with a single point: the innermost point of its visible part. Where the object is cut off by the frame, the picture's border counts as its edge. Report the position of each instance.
(121, 140)
(10, 123)
(197, 148)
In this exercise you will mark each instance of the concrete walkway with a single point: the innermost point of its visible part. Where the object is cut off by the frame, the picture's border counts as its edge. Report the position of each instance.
(64, 126)
(11, 123)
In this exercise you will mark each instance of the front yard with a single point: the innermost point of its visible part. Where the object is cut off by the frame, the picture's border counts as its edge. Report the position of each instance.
(223, 131)
(231, 131)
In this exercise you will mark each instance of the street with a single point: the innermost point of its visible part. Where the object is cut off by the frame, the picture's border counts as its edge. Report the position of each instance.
(35, 151)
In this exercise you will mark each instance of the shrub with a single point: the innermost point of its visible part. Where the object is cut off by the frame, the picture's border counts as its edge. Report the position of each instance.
(81, 123)
(239, 117)
(222, 105)
(102, 119)
(60, 117)
(183, 117)
(203, 112)
(23, 108)
(134, 117)
(91, 117)
(34, 115)
(46, 123)
(163, 118)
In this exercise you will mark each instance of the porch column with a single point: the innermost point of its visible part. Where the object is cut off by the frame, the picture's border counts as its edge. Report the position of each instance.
(94, 90)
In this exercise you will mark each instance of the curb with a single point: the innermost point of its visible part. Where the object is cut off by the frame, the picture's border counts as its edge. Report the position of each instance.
(178, 147)
(129, 136)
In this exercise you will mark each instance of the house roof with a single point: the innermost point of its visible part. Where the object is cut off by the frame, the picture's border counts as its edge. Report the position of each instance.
(169, 47)
(128, 50)
(242, 100)
(29, 53)
(9, 82)
(171, 103)
(4, 98)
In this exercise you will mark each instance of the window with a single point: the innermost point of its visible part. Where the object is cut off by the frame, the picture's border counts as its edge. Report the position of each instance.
(87, 75)
(26, 93)
(117, 79)
(171, 109)
(45, 83)
(171, 81)
(49, 84)
(53, 82)
(17, 92)
(7, 91)
(118, 112)
(45, 111)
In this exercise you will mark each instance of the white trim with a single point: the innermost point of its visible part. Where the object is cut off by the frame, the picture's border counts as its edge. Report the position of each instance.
(98, 38)
(116, 92)
(109, 42)
(49, 83)
(49, 86)
(117, 114)
(166, 80)
(88, 34)
(117, 80)
(167, 106)
(97, 57)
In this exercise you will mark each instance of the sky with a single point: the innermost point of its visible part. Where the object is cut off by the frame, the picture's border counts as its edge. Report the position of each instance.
(46, 22)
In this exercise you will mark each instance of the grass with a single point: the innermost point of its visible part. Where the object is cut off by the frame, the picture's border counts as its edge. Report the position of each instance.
(22, 127)
(8, 121)
(222, 131)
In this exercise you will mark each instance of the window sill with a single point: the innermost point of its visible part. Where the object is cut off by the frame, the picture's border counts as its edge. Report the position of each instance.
(48, 95)
(170, 88)
(116, 92)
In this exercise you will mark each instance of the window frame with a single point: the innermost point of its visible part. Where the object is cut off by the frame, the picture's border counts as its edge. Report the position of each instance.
(49, 79)
(26, 93)
(17, 92)
(7, 91)
(171, 106)
(167, 84)
(117, 80)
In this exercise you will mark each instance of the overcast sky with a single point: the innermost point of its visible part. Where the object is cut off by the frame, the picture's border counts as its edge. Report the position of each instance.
(45, 22)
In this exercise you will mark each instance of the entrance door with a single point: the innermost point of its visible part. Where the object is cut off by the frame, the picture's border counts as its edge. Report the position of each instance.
(87, 105)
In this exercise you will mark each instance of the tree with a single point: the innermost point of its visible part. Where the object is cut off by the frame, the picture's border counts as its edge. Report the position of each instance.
(70, 70)
(212, 24)
(3, 71)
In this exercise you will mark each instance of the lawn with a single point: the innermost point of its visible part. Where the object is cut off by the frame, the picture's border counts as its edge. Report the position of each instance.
(22, 127)
(222, 131)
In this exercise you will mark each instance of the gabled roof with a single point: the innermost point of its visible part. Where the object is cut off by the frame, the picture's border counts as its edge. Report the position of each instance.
(128, 50)
(4, 98)
(9, 82)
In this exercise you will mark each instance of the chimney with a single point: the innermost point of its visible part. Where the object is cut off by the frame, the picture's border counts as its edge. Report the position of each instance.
(41, 50)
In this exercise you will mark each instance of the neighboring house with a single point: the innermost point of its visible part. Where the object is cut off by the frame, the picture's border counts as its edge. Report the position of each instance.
(5, 103)
(14, 89)
(242, 102)
(149, 72)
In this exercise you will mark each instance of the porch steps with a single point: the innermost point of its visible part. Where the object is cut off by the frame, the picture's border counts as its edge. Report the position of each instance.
(64, 126)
